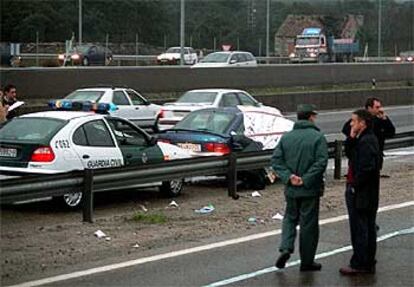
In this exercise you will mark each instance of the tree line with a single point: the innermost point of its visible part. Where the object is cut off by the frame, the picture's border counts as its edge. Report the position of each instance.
(209, 23)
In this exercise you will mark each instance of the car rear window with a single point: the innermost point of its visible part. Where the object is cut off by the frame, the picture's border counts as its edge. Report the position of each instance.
(92, 96)
(212, 121)
(198, 97)
(31, 129)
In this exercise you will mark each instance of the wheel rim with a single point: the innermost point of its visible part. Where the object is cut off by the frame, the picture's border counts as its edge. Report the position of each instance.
(72, 199)
(176, 186)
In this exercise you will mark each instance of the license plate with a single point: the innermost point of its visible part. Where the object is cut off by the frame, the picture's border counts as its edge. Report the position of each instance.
(190, 146)
(8, 152)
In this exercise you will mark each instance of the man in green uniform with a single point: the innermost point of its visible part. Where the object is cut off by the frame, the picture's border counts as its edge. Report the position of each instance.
(300, 160)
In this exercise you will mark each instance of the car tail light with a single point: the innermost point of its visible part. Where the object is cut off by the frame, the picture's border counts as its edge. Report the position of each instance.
(217, 147)
(410, 59)
(75, 57)
(43, 154)
(61, 57)
(161, 114)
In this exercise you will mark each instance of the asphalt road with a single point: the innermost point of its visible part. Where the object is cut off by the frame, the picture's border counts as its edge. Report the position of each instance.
(331, 122)
(250, 263)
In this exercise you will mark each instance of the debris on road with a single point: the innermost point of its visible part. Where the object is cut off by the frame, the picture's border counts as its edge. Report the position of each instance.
(136, 245)
(173, 204)
(143, 208)
(99, 233)
(108, 238)
(256, 194)
(206, 209)
(252, 220)
(277, 216)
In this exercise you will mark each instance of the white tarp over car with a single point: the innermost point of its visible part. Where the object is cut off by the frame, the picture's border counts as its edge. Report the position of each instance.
(265, 125)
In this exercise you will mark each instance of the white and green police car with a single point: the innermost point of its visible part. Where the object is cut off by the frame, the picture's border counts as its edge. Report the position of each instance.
(61, 141)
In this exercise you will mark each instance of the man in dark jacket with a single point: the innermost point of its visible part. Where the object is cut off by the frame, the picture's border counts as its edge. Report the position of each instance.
(362, 192)
(383, 127)
(9, 98)
(300, 160)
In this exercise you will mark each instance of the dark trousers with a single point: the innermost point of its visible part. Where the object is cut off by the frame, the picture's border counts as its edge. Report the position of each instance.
(305, 212)
(363, 233)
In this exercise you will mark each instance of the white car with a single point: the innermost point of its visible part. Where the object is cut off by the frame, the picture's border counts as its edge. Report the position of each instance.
(193, 100)
(227, 59)
(129, 104)
(60, 141)
(172, 56)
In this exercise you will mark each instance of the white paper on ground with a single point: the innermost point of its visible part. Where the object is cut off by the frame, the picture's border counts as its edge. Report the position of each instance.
(99, 234)
(277, 216)
(15, 105)
(256, 194)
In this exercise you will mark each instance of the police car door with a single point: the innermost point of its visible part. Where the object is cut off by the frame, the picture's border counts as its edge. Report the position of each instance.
(95, 145)
(134, 144)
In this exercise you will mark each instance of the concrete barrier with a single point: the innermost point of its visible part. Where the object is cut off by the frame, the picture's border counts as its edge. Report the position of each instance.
(49, 83)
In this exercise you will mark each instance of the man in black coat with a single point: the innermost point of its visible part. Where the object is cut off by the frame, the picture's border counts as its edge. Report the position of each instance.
(362, 192)
(382, 125)
(9, 98)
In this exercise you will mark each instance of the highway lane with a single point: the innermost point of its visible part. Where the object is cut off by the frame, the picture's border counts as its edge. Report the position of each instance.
(241, 263)
(331, 122)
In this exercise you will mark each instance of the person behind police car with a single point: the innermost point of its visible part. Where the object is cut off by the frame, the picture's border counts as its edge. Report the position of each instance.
(300, 160)
(9, 98)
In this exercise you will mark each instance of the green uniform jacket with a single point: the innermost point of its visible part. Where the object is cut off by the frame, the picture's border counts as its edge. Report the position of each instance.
(304, 152)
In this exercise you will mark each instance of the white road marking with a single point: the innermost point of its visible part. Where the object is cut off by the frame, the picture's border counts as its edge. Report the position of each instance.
(297, 262)
(144, 260)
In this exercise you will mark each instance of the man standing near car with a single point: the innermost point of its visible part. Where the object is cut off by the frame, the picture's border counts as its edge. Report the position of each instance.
(9, 98)
(362, 192)
(300, 160)
(382, 126)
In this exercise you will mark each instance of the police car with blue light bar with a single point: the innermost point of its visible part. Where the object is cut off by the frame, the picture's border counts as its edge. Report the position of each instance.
(66, 140)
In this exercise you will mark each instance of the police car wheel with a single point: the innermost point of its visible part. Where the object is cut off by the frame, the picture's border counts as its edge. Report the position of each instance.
(172, 188)
(72, 200)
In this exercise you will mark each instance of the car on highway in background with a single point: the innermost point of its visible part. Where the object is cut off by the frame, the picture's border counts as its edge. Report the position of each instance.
(227, 59)
(407, 56)
(219, 131)
(198, 99)
(54, 142)
(173, 55)
(129, 104)
(86, 55)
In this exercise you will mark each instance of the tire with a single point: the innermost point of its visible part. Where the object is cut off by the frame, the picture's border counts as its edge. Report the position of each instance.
(71, 201)
(85, 61)
(172, 188)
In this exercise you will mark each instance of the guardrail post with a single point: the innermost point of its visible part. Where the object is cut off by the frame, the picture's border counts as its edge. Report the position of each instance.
(232, 176)
(338, 159)
(87, 208)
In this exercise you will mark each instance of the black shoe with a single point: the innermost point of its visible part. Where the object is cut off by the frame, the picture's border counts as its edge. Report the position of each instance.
(281, 261)
(313, 267)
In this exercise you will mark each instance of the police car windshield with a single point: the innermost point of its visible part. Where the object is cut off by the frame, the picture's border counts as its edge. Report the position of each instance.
(92, 96)
(38, 130)
(198, 97)
(212, 121)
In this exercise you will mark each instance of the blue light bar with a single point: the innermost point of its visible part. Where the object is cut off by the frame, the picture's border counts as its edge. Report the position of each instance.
(85, 106)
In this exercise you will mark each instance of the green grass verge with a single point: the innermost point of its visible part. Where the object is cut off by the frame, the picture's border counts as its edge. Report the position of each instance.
(149, 218)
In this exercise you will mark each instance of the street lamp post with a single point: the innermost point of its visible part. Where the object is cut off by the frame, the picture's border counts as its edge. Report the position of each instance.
(379, 27)
(267, 28)
(182, 31)
(80, 22)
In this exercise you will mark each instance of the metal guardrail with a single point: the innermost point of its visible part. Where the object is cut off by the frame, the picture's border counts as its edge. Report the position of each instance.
(90, 181)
